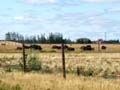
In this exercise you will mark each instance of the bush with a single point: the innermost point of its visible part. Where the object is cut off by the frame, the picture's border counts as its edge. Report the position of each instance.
(16, 87)
(86, 71)
(46, 69)
(8, 69)
(89, 72)
(34, 63)
(4, 86)
(108, 74)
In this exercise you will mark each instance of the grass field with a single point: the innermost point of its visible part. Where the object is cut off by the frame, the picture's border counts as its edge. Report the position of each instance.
(10, 47)
(33, 81)
(95, 63)
(105, 69)
(98, 70)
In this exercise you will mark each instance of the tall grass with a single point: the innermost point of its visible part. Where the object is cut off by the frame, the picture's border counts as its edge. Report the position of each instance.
(98, 71)
(36, 81)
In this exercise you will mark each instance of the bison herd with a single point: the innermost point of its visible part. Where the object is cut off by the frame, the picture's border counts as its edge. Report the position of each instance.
(35, 47)
(66, 47)
(90, 48)
(87, 48)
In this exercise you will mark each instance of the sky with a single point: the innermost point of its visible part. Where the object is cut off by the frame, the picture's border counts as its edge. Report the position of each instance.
(73, 18)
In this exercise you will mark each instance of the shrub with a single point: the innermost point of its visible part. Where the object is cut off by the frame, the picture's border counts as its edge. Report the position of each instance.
(34, 63)
(4, 86)
(108, 74)
(16, 87)
(8, 69)
(46, 69)
(89, 72)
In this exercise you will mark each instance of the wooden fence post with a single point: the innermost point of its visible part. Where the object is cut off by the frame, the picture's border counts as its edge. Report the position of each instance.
(24, 58)
(78, 71)
(99, 45)
(63, 60)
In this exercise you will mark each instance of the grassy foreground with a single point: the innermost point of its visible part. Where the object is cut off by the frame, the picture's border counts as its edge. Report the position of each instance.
(106, 65)
(35, 81)
(99, 71)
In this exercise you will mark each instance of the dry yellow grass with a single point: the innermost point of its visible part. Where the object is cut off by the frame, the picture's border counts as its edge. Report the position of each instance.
(54, 81)
(99, 63)
(34, 81)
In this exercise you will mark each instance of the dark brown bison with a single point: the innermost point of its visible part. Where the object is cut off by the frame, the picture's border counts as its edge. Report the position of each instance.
(82, 47)
(66, 47)
(56, 47)
(103, 47)
(19, 48)
(71, 49)
(87, 48)
(27, 47)
(59, 47)
(36, 47)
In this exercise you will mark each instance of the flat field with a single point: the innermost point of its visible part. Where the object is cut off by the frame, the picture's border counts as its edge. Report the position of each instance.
(98, 70)
(33, 81)
(10, 47)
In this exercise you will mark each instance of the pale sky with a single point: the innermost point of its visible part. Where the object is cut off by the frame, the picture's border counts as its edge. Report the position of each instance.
(72, 18)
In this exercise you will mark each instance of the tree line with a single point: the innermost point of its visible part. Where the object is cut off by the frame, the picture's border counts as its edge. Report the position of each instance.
(51, 38)
(55, 38)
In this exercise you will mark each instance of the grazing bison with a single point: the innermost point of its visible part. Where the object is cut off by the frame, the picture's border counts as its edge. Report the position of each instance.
(82, 47)
(103, 47)
(27, 47)
(87, 48)
(59, 47)
(36, 47)
(71, 49)
(19, 48)
(56, 47)
(66, 47)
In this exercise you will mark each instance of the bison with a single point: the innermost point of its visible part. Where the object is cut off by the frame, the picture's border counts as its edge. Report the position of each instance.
(103, 47)
(36, 47)
(27, 47)
(59, 47)
(71, 49)
(19, 48)
(56, 47)
(66, 47)
(87, 48)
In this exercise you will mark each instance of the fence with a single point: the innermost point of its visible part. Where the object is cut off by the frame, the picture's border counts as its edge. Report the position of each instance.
(74, 61)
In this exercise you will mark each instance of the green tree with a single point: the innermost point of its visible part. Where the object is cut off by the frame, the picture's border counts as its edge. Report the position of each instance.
(42, 38)
(83, 41)
(8, 36)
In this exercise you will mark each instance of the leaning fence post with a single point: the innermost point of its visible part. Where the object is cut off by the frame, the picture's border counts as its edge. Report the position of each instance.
(78, 71)
(24, 58)
(99, 45)
(63, 60)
